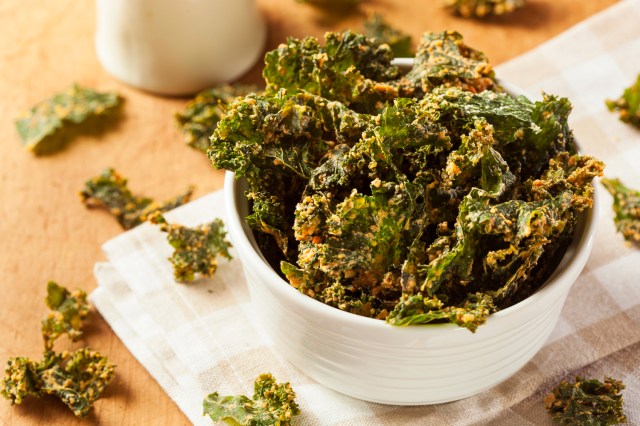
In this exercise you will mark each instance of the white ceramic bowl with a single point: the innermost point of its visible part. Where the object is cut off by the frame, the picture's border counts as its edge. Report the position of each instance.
(374, 361)
(421, 364)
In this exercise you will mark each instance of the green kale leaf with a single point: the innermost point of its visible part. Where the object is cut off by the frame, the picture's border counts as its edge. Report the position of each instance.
(196, 249)
(626, 206)
(67, 312)
(483, 8)
(628, 105)
(418, 309)
(357, 235)
(77, 378)
(276, 141)
(47, 127)
(109, 191)
(378, 29)
(349, 68)
(201, 114)
(21, 379)
(444, 59)
(272, 404)
(587, 402)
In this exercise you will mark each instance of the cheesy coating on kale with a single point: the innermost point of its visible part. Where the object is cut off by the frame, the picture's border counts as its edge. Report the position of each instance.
(429, 196)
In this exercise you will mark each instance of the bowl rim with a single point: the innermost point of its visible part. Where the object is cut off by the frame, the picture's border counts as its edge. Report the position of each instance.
(242, 239)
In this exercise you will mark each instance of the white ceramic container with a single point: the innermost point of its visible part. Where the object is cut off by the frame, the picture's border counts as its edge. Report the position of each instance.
(371, 360)
(178, 47)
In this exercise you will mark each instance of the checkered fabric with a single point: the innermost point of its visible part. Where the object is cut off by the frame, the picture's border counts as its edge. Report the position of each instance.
(199, 338)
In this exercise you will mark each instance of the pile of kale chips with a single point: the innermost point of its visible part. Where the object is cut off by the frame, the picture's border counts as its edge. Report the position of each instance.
(418, 197)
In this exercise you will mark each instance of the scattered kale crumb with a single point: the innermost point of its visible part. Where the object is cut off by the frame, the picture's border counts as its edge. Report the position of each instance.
(195, 248)
(377, 28)
(272, 404)
(52, 123)
(626, 206)
(587, 402)
(67, 312)
(201, 114)
(109, 191)
(628, 105)
(483, 8)
(78, 378)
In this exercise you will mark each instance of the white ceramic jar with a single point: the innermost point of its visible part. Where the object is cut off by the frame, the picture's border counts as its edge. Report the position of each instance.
(178, 47)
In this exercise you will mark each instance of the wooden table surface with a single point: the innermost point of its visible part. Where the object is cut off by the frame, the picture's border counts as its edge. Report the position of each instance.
(45, 231)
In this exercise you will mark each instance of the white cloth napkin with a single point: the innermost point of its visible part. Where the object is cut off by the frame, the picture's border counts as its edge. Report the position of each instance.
(198, 338)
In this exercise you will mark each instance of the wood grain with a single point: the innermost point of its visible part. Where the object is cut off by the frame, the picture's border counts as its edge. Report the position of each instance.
(46, 233)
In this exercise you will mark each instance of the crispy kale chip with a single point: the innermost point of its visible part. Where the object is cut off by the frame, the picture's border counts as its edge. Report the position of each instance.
(444, 59)
(196, 249)
(446, 203)
(109, 191)
(418, 309)
(272, 404)
(587, 402)
(357, 71)
(529, 133)
(47, 126)
(276, 141)
(626, 205)
(380, 30)
(628, 105)
(201, 114)
(77, 378)
(283, 133)
(482, 8)
(67, 312)
(349, 68)
(21, 379)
